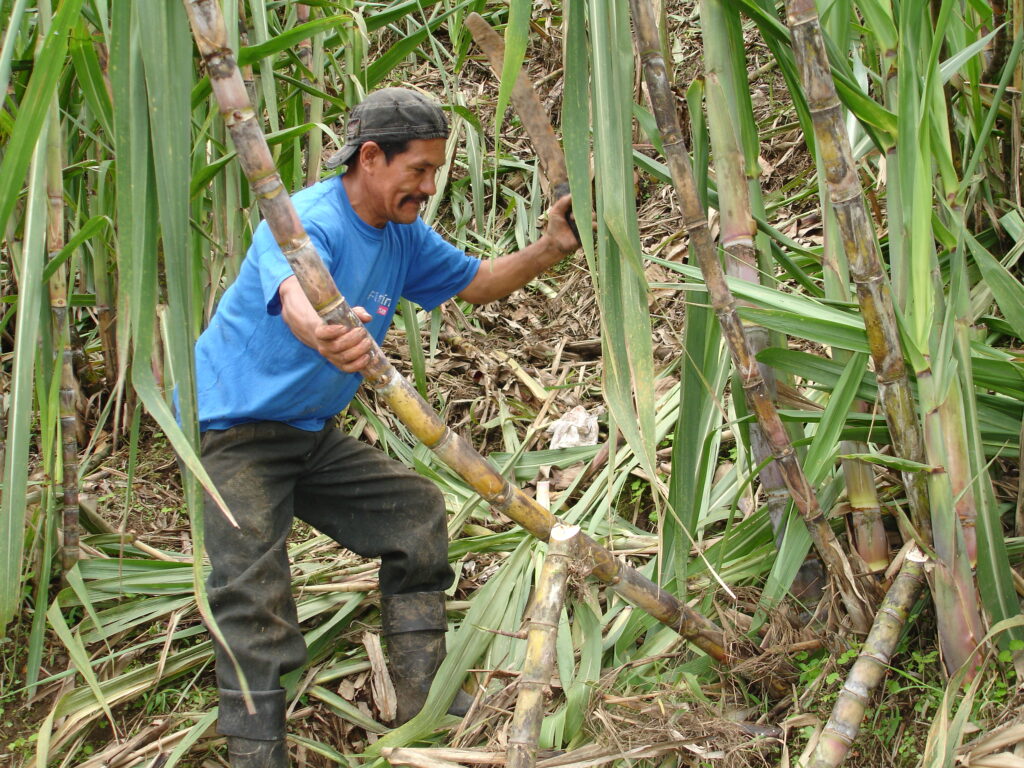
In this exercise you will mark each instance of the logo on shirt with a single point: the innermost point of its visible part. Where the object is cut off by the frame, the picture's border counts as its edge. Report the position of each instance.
(382, 300)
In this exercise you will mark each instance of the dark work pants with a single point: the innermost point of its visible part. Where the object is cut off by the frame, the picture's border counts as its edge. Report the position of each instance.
(268, 473)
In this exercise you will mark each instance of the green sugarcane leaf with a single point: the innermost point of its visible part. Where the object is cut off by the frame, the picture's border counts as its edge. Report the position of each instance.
(586, 630)
(91, 228)
(820, 456)
(489, 609)
(20, 408)
(517, 33)
(384, 65)
(13, 24)
(48, 64)
(892, 462)
(1007, 290)
(345, 710)
(621, 285)
(703, 376)
(79, 656)
(90, 77)
(819, 329)
(287, 39)
(878, 16)
(195, 732)
(952, 65)
(398, 11)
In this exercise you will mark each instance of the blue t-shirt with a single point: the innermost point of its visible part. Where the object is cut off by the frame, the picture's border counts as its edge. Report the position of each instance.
(251, 367)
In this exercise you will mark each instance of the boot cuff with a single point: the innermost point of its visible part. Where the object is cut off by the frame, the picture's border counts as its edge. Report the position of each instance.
(267, 722)
(412, 612)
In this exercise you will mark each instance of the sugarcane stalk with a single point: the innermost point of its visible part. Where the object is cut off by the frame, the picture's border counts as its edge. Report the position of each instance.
(869, 535)
(277, 209)
(958, 466)
(737, 233)
(861, 248)
(524, 731)
(754, 388)
(737, 237)
(929, 494)
(58, 288)
(957, 611)
(871, 665)
(312, 108)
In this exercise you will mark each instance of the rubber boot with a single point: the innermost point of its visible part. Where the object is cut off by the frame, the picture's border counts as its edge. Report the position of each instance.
(414, 625)
(255, 738)
(255, 753)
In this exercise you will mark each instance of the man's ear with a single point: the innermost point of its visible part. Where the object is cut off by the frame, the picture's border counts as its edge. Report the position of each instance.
(369, 153)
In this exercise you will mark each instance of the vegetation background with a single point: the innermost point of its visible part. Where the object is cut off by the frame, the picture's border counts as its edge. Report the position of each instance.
(125, 216)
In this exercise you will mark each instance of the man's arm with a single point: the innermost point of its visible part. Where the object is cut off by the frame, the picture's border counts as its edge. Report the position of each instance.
(497, 278)
(347, 349)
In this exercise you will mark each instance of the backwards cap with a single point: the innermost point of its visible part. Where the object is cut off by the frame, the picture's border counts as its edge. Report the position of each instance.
(389, 115)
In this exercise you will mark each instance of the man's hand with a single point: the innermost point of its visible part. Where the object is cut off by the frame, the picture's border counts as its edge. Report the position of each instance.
(558, 229)
(346, 348)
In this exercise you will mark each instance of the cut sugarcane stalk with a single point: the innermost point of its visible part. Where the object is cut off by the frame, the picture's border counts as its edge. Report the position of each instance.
(871, 665)
(540, 647)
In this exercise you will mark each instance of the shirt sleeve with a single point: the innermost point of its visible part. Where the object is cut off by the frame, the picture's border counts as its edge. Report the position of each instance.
(274, 268)
(438, 270)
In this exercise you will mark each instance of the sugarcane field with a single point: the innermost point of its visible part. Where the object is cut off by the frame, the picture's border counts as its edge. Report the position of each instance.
(526, 383)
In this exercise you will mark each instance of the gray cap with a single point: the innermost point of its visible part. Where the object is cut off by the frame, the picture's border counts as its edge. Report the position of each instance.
(388, 115)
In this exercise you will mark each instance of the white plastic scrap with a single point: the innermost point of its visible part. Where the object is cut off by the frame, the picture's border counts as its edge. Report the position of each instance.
(575, 428)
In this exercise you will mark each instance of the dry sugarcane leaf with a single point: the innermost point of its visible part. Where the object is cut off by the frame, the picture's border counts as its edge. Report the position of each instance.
(415, 758)
(999, 739)
(380, 681)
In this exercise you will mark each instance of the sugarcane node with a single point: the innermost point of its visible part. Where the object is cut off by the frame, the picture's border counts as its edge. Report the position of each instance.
(446, 437)
(220, 65)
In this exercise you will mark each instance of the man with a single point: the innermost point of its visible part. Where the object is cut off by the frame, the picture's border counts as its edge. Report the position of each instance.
(270, 378)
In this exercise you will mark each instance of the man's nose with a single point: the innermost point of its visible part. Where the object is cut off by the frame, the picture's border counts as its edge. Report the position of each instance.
(428, 186)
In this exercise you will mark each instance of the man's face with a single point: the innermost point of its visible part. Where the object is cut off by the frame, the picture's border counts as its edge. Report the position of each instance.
(400, 187)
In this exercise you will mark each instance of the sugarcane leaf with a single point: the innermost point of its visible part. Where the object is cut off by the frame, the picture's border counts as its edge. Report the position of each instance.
(393, 12)
(384, 64)
(79, 656)
(516, 36)
(576, 123)
(819, 457)
(621, 285)
(286, 39)
(1007, 290)
(892, 462)
(20, 407)
(90, 229)
(195, 732)
(47, 66)
(825, 329)
(952, 65)
(703, 375)
(14, 29)
(320, 748)
(586, 630)
(345, 710)
(878, 16)
(90, 77)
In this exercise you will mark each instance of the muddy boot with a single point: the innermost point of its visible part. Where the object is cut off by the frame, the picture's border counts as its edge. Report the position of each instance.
(414, 625)
(254, 753)
(256, 739)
